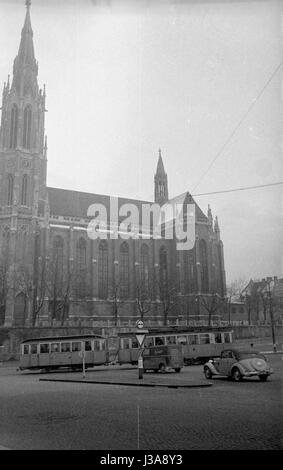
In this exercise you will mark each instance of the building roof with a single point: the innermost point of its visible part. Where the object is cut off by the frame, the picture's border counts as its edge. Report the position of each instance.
(64, 202)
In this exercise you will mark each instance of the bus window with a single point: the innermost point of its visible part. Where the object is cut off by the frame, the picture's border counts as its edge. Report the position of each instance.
(33, 348)
(159, 341)
(204, 338)
(87, 345)
(135, 343)
(55, 347)
(218, 338)
(26, 349)
(227, 338)
(148, 342)
(192, 339)
(44, 348)
(170, 339)
(65, 347)
(76, 346)
(126, 343)
(181, 339)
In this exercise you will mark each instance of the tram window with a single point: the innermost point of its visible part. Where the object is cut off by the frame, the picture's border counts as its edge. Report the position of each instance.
(192, 339)
(33, 348)
(227, 338)
(102, 345)
(76, 346)
(126, 343)
(26, 349)
(159, 341)
(87, 345)
(96, 345)
(218, 338)
(148, 343)
(135, 343)
(170, 339)
(44, 348)
(204, 339)
(55, 347)
(182, 339)
(65, 347)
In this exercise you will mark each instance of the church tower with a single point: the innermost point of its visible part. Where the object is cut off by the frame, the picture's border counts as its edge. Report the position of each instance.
(160, 182)
(23, 163)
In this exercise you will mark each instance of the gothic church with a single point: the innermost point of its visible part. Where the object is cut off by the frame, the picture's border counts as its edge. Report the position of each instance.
(50, 270)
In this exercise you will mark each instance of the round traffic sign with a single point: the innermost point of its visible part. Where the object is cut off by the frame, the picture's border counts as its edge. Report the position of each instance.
(139, 324)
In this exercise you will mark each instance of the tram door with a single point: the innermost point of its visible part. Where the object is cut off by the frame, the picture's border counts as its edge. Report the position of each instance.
(34, 356)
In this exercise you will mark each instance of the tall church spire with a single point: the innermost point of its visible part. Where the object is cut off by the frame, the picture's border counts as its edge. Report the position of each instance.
(25, 65)
(160, 182)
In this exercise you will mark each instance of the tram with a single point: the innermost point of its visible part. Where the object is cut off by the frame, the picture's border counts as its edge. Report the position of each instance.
(199, 344)
(46, 353)
(54, 352)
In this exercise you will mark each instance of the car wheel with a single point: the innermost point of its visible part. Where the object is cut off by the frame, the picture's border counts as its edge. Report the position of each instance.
(162, 368)
(207, 373)
(178, 369)
(236, 374)
(263, 378)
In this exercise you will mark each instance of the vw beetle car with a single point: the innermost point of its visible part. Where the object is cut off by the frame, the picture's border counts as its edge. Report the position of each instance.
(237, 364)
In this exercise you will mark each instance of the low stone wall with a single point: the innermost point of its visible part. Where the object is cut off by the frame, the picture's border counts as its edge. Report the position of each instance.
(11, 338)
(256, 331)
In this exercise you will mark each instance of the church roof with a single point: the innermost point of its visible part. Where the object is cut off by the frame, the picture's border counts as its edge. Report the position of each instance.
(70, 203)
(64, 202)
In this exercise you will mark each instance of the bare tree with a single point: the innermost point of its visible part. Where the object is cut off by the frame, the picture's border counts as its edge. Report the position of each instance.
(168, 295)
(3, 291)
(210, 302)
(234, 291)
(40, 289)
(144, 296)
(115, 301)
(59, 286)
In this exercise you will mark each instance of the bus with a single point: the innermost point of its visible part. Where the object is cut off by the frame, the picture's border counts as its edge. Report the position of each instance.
(49, 353)
(163, 358)
(198, 344)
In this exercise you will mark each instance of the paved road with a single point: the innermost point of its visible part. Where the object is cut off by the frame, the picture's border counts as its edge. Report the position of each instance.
(55, 415)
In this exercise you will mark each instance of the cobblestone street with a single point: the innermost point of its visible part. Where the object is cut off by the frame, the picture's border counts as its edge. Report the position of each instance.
(37, 414)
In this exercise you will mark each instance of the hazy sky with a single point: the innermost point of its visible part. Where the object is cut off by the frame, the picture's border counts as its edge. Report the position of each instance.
(125, 78)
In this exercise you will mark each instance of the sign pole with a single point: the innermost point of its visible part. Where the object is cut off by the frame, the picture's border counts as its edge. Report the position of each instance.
(140, 336)
(83, 351)
(140, 364)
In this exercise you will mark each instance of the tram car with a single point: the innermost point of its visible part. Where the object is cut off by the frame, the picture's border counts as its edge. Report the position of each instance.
(47, 353)
(198, 344)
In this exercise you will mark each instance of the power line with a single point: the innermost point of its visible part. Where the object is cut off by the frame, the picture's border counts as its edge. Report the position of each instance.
(239, 189)
(239, 123)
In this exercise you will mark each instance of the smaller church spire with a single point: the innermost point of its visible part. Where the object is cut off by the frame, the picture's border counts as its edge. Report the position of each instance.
(209, 216)
(160, 182)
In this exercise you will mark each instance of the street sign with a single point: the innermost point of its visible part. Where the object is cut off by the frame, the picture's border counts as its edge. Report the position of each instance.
(140, 335)
(140, 338)
(139, 324)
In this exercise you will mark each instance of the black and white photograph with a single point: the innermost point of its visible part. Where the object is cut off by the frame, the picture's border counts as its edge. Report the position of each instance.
(141, 229)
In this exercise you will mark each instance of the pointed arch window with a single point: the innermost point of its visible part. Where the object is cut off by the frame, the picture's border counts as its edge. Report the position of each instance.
(81, 265)
(124, 270)
(145, 266)
(10, 189)
(27, 128)
(204, 266)
(163, 272)
(24, 193)
(103, 270)
(14, 127)
(57, 266)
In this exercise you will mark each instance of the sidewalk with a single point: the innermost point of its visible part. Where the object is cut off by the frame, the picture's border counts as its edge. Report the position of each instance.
(187, 378)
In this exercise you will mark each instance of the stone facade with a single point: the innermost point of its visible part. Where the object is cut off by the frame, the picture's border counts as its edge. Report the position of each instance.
(50, 268)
